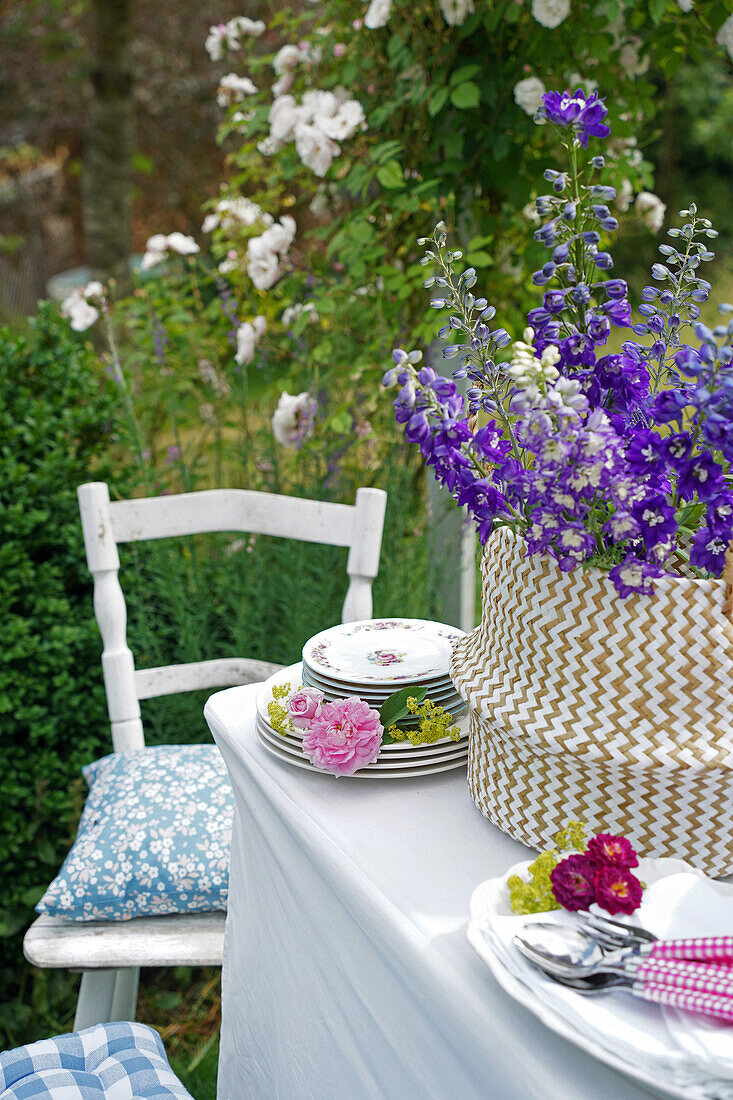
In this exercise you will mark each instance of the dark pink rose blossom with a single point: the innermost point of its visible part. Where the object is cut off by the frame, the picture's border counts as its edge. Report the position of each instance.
(616, 851)
(572, 882)
(617, 890)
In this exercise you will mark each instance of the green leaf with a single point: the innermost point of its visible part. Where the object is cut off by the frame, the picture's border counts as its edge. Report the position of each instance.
(479, 259)
(395, 707)
(657, 9)
(466, 72)
(437, 102)
(390, 175)
(465, 96)
(340, 422)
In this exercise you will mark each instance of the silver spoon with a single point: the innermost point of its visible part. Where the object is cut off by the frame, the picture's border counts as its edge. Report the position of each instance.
(568, 951)
(614, 931)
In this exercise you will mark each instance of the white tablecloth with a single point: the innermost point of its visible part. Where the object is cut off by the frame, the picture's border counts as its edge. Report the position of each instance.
(347, 973)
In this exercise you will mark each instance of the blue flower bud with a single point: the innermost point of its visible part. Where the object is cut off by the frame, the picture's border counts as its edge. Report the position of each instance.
(548, 269)
(640, 330)
(551, 175)
(693, 312)
(604, 261)
(539, 279)
(666, 297)
(569, 211)
(649, 294)
(487, 314)
(603, 193)
(561, 253)
(460, 373)
(601, 211)
(598, 162)
(609, 224)
(647, 310)
(700, 294)
(559, 185)
(502, 338)
(659, 271)
(438, 303)
(590, 236)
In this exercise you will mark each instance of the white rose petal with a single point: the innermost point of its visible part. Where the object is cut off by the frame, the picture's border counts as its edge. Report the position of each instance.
(456, 12)
(182, 244)
(625, 195)
(286, 58)
(528, 94)
(263, 269)
(550, 13)
(233, 89)
(294, 418)
(651, 210)
(724, 37)
(685, 5)
(314, 148)
(378, 14)
(346, 121)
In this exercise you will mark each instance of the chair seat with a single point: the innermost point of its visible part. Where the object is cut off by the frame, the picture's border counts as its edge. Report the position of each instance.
(118, 1061)
(195, 939)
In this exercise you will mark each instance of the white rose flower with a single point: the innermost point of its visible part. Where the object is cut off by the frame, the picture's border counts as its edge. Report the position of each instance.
(528, 94)
(93, 290)
(263, 268)
(550, 13)
(286, 58)
(651, 210)
(378, 14)
(724, 37)
(625, 195)
(77, 310)
(575, 80)
(182, 244)
(317, 105)
(294, 419)
(292, 313)
(283, 84)
(456, 12)
(314, 148)
(279, 237)
(233, 89)
(346, 121)
(685, 5)
(250, 27)
(283, 118)
(631, 62)
(248, 336)
(156, 249)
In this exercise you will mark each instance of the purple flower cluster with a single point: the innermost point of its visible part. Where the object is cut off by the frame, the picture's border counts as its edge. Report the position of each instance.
(618, 459)
(585, 114)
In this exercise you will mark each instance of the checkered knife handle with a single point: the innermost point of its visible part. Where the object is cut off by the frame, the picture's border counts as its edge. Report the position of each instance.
(692, 1001)
(690, 976)
(696, 949)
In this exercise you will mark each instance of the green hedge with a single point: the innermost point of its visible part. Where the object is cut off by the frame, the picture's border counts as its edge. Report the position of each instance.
(56, 419)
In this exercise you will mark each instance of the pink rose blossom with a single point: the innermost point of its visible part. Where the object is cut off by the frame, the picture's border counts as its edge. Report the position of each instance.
(617, 890)
(614, 850)
(303, 706)
(343, 736)
(572, 882)
(339, 49)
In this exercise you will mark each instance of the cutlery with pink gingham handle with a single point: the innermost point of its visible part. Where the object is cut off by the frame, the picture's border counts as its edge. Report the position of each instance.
(691, 1001)
(693, 949)
(692, 977)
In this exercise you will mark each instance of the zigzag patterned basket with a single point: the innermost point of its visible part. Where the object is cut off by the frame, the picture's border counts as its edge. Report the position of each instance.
(584, 705)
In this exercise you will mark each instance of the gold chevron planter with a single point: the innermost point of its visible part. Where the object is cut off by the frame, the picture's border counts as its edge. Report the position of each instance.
(584, 705)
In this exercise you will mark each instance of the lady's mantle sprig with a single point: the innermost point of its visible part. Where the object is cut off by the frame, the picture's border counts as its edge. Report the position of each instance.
(584, 453)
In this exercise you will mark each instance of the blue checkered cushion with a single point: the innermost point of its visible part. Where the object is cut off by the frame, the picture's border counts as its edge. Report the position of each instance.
(105, 1062)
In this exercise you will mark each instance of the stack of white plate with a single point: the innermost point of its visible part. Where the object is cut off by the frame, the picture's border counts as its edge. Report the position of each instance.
(384, 639)
(376, 657)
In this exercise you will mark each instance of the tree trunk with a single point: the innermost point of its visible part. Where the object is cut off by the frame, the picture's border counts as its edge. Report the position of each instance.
(108, 148)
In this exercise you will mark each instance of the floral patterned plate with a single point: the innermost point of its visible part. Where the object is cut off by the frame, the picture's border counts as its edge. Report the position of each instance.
(383, 651)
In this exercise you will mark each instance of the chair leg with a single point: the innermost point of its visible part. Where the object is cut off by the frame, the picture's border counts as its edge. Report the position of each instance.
(124, 1001)
(94, 1005)
(107, 995)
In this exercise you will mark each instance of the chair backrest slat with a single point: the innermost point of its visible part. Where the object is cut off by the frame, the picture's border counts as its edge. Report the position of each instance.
(233, 510)
(105, 524)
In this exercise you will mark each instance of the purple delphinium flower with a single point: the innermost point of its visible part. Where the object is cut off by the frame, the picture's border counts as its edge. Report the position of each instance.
(584, 113)
(634, 576)
(702, 476)
(708, 551)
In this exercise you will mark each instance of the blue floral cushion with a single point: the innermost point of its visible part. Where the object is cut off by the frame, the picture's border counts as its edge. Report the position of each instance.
(104, 1062)
(154, 837)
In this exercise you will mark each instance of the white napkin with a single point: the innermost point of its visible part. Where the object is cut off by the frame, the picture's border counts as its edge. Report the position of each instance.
(691, 1050)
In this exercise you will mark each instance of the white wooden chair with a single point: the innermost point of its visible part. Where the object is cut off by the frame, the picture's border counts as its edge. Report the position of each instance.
(110, 954)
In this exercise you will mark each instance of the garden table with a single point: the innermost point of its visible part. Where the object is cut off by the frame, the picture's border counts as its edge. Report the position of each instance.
(347, 973)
